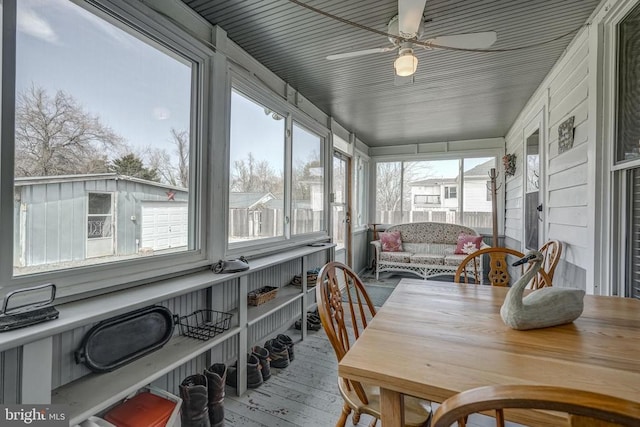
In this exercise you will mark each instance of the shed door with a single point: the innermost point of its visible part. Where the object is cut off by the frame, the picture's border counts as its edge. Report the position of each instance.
(164, 225)
(100, 225)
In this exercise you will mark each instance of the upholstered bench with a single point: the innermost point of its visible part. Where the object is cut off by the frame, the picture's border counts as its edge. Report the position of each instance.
(425, 248)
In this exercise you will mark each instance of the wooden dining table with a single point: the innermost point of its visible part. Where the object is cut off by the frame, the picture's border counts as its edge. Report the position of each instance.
(435, 339)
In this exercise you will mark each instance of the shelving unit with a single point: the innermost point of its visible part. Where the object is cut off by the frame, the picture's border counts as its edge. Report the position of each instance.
(286, 295)
(96, 392)
(93, 393)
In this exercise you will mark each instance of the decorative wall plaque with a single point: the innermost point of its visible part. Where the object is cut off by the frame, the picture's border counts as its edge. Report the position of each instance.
(565, 135)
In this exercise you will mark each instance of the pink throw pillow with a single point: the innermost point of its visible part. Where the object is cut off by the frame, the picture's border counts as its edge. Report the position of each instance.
(467, 244)
(391, 241)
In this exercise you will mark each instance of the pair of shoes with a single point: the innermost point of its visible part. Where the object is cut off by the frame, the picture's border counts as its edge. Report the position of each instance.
(254, 373)
(265, 360)
(313, 322)
(296, 281)
(281, 350)
(203, 398)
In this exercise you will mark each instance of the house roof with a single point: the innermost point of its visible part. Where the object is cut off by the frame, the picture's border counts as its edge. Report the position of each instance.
(33, 180)
(481, 170)
(433, 181)
(248, 200)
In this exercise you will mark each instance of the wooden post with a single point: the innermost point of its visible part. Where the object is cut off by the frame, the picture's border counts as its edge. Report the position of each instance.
(494, 206)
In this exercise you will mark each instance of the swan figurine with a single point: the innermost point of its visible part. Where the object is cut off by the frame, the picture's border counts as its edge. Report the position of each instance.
(541, 308)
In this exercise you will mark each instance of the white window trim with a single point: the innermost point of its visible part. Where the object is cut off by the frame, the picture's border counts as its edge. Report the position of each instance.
(137, 19)
(608, 173)
(258, 92)
(452, 155)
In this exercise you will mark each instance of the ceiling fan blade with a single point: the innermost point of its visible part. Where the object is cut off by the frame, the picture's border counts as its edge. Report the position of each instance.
(410, 15)
(360, 53)
(466, 41)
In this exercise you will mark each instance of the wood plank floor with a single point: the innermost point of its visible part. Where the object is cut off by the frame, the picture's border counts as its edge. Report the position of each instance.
(305, 394)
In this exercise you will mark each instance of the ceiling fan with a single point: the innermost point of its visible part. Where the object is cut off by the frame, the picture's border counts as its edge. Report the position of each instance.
(406, 29)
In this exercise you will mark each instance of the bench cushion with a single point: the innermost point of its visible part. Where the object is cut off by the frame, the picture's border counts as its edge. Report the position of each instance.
(396, 256)
(427, 259)
(454, 259)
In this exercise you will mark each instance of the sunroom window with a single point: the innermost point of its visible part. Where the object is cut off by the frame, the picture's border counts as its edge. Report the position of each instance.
(102, 130)
(307, 180)
(429, 190)
(256, 181)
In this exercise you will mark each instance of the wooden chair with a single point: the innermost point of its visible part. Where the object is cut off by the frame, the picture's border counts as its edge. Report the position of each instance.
(498, 273)
(584, 409)
(551, 251)
(345, 310)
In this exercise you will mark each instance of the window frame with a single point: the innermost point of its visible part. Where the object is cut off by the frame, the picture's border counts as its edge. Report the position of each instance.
(447, 192)
(314, 128)
(158, 32)
(257, 92)
(496, 153)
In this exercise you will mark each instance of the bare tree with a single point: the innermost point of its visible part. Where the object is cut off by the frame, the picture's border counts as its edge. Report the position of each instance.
(172, 169)
(389, 186)
(56, 136)
(181, 142)
(249, 175)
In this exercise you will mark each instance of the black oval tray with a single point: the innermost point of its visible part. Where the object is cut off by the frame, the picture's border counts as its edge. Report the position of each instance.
(115, 342)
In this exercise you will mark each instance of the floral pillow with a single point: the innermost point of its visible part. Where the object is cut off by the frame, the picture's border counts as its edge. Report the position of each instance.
(467, 244)
(391, 241)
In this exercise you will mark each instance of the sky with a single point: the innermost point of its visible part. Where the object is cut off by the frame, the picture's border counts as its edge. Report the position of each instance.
(136, 89)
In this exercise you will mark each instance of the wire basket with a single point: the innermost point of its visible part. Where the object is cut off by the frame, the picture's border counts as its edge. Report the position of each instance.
(204, 324)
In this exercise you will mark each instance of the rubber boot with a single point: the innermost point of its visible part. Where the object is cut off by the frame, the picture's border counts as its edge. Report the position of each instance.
(287, 342)
(254, 375)
(216, 377)
(278, 352)
(265, 366)
(194, 412)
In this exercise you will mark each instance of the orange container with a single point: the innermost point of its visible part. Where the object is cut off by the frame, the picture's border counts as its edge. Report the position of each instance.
(143, 410)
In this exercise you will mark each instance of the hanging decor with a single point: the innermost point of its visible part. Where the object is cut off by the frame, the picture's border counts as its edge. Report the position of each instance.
(565, 135)
(509, 162)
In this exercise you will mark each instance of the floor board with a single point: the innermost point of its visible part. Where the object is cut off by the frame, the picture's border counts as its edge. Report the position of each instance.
(305, 394)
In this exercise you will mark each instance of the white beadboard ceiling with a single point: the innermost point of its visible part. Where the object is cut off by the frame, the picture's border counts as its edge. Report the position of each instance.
(454, 96)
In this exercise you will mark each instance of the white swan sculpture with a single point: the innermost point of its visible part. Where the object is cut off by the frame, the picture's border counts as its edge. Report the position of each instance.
(541, 308)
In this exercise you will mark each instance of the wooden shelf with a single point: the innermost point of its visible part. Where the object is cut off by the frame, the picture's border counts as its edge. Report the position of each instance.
(286, 295)
(96, 392)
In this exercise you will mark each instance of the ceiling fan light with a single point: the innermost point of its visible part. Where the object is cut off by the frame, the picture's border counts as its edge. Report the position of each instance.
(406, 64)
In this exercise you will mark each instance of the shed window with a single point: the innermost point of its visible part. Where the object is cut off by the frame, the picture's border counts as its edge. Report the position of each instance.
(100, 216)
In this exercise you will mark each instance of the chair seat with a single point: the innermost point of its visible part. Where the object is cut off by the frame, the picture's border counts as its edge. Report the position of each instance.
(416, 411)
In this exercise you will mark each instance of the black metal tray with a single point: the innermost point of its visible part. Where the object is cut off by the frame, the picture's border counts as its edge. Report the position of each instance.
(115, 342)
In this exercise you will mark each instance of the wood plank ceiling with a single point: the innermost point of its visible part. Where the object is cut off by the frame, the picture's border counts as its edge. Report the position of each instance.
(454, 96)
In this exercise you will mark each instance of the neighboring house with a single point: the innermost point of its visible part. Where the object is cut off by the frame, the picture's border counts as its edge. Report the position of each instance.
(255, 214)
(71, 218)
(437, 199)
(250, 216)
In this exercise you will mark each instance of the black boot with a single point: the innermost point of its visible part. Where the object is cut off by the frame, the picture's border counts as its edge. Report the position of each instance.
(254, 375)
(287, 342)
(279, 354)
(216, 376)
(265, 366)
(194, 412)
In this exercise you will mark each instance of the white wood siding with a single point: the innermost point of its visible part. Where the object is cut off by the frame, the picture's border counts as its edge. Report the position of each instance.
(562, 94)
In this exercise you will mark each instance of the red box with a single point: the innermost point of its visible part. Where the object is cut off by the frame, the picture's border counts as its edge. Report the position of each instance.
(143, 410)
